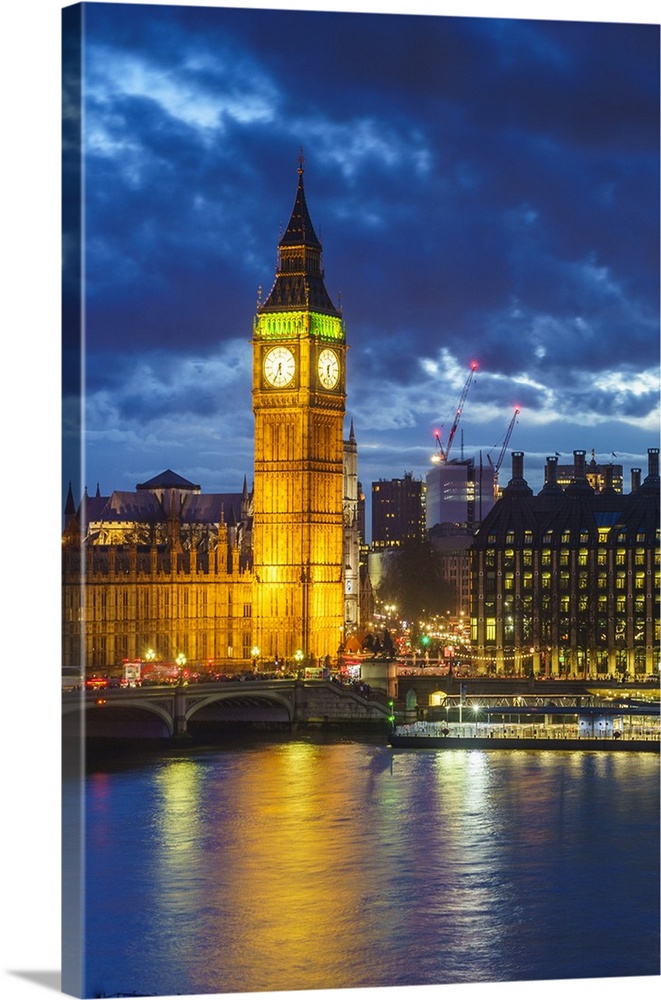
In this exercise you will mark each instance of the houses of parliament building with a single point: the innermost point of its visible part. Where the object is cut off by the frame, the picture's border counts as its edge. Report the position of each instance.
(222, 578)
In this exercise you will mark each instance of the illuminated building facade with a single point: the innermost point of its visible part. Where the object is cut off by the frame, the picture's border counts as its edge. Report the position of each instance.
(298, 396)
(353, 513)
(166, 568)
(215, 577)
(568, 581)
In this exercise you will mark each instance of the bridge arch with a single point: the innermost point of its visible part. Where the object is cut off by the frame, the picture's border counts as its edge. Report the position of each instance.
(240, 704)
(128, 718)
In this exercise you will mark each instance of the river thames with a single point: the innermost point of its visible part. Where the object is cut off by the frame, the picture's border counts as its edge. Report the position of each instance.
(315, 863)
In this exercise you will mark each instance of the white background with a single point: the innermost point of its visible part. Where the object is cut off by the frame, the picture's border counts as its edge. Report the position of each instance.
(30, 491)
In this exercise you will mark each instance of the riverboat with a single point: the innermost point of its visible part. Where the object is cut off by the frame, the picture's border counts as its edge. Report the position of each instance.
(527, 736)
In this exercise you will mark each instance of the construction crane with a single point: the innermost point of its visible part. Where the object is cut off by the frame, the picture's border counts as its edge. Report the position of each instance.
(443, 454)
(499, 461)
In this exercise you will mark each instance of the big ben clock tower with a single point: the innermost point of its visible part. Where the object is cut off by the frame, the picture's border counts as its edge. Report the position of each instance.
(298, 395)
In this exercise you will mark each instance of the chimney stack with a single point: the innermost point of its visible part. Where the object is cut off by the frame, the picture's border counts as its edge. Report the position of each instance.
(551, 485)
(551, 470)
(579, 465)
(517, 465)
(517, 483)
(635, 480)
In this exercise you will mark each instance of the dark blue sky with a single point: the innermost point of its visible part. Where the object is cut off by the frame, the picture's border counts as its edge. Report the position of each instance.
(484, 189)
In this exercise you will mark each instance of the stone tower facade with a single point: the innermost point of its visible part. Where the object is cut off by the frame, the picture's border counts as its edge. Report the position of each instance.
(299, 398)
(352, 536)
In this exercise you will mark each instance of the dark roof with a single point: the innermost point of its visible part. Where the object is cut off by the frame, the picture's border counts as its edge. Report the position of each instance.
(206, 508)
(90, 509)
(125, 506)
(572, 510)
(168, 480)
(300, 231)
(299, 281)
(146, 508)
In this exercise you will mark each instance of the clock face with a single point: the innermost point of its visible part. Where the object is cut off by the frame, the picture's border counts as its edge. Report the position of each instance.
(279, 367)
(328, 368)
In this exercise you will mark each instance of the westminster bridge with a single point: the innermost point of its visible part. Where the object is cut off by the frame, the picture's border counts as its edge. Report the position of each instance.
(423, 691)
(169, 711)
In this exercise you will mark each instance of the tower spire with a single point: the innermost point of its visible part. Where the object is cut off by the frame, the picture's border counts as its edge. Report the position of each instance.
(299, 279)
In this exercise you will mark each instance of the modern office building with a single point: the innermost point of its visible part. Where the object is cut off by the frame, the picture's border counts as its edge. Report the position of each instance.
(567, 582)
(460, 493)
(398, 512)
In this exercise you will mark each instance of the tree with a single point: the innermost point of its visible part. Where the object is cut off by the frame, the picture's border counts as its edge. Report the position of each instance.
(412, 580)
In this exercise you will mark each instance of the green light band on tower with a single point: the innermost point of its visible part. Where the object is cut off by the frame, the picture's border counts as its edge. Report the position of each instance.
(294, 325)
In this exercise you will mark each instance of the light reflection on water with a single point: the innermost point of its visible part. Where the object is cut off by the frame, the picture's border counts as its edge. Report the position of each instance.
(312, 865)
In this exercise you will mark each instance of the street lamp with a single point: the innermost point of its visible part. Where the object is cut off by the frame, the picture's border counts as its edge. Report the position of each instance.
(254, 652)
(298, 656)
(181, 663)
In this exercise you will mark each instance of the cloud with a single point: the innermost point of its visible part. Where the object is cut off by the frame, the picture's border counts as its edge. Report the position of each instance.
(142, 386)
(200, 89)
(483, 188)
